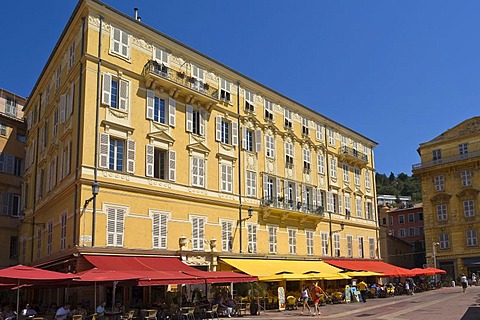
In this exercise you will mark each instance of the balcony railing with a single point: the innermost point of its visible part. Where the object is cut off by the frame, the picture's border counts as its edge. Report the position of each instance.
(291, 205)
(180, 78)
(447, 160)
(354, 153)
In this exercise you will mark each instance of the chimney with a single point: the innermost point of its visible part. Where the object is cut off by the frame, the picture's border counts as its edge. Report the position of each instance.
(135, 10)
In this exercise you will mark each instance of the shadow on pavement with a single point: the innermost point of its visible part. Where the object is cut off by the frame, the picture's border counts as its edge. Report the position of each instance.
(473, 313)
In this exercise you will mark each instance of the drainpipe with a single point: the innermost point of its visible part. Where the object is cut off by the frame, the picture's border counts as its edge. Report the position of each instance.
(375, 207)
(34, 209)
(327, 168)
(239, 169)
(97, 111)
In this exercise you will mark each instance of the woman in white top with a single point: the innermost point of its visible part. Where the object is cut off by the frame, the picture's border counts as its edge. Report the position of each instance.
(464, 282)
(305, 297)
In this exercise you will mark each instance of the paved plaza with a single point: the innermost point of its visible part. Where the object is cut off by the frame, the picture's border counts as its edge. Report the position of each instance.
(442, 304)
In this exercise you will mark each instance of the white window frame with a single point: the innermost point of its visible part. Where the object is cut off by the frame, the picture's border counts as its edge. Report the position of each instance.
(367, 179)
(115, 225)
(439, 183)
(198, 233)
(227, 235)
(309, 238)
(331, 137)
(221, 135)
(198, 74)
(268, 107)
(159, 229)
(122, 99)
(119, 45)
(71, 55)
(346, 176)
(463, 149)
(270, 146)
(224, 93)
(469, 208)
(444, 240)
(251, 181)
(63, 231)
(333, 167)
(249, 99)
(289, 154)
(472, 239)
(336, 245)
(349, 246)
(252, 237)
(272, 239)
(401, 219)
(359, 207)
(307, 161)
(401, 233)
(361, 249)
(195, 120)
(292, 241)
(305, 126)
(3, 129)
(288, 118)
(226, 177)
(319, 133)
(466, 177)
(357, 176)
(161, 56)
(371, 246)
(324, 237)
(442, 212)
(198, 172)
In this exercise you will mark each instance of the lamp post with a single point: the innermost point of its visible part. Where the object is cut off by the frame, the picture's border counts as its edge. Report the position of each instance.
(95, 190)
(434, 255)
(342, 227)
(239, 223)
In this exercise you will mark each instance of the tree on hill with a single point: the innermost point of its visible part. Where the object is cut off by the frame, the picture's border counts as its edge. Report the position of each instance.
(400, 185)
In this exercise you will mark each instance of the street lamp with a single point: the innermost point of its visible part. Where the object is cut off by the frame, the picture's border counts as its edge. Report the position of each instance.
(239, 223)
(434, 255)
(342, 227)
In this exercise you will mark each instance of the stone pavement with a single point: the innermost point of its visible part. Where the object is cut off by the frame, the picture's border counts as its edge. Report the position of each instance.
(441, 304)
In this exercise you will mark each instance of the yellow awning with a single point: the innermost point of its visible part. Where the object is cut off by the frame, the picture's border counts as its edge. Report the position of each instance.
(363, 274)
(278, 270)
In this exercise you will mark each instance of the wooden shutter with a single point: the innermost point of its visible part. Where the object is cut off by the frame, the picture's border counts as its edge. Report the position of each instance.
(63, 103)
(156, 230)
(2, 162)
(201, 172)
(130, 156)
(171, 165)
(107, 89)
(149, 160)
(124, 43)
(104, 150)
(297, 194)
(189, 118)
(150, 104)
(218, 128)
(202, 122)
(119, 226)
(258, 140)
(70, 101)
(265, 186)
(172, 107)
(111, 215)
(163, 231)
(10, 163)
(244, 137)
(234, 134)
(123, 95)
(277, 182)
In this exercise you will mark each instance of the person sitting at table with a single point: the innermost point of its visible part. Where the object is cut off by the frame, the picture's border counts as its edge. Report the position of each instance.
(63, 312)
(80, 310)
(8, 313)
(28, 311)
(101, 310)
(231, 306)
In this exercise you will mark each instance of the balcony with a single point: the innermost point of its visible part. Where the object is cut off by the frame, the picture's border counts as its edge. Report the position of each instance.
(353, 156)
(446, 160)
(177, 83)
(291, 209)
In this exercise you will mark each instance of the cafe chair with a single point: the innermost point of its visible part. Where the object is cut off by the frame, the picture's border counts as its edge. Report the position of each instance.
(38, 318)
(151, 315)
(212, 313)
(188, 313)
(94, 316)
(77, 317)
(129, 316)
(244, 308)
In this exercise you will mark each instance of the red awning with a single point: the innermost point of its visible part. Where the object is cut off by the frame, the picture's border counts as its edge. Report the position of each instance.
(164, 270)
(388, 270)
(101, 275)
(29, 275)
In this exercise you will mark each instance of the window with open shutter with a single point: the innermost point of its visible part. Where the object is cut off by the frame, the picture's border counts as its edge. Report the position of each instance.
(115, 226)
(106, 89)
(123, 95)
(252, 238)
(189, 118)
(227, 236)
(70, 101)
(150, 104)
(104, 150)
(258, 140)
(149, 160)
(171, 165)
(63, 103)
(159, 230)
(172, 107)
(198, 233)
(161, 56)
(130, 156)
(119, 43)
(234, 133)
(218, 128)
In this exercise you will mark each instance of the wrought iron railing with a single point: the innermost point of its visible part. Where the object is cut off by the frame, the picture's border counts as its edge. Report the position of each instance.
(354, 153)
(446, 160)
(282, 203)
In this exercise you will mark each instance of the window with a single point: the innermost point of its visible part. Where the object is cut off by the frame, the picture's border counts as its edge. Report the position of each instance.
(195, 120)
(439, 183)
(437, 155)
(11, 204)
(115, 226)
(39, 242)
(441, 212)
(58, 77)
(11, 164)
(444, 242)
(271, 187)
(252, 238)
(463, 149)
(225, 90)
(63, 231)
(305, 126)
(198, 172)
(411, 217)
(158, 111)
(420, 216)
(371, 246)
(66, 102)
(401, 219)
(226, 131)
(324, 236)
(321, 163)
(348, 205)
(251, 179)
(369, 210)
(198, 78)
(309, 236)
(198, 233)
(52, 173)
(249, 101)
(49, 237)
(349, 246)
(472, 238)
(292, 241)
(357, 174)
(67, 155)
(3, 129)
(336, 244)
(71, 55)
(13, 247)
(227, 236)
(159, 230)
(331, 137)
(401, 233)
(288, 154)
(319, 135)
(226, 177)
(466, 177)
(306, 161)
(115, 92)
(333, 168)
(119, 43)
(161, 56)
(469, 208)
(251, 140)
(270, 146)
(272, 239)
(11, 107)
(346, 176)
(55, 122)
(160, 163)
(367, 179)
(360, 247)
(268, 105)
(359, 207)
(114, 153)
(411, 232)
(288, 123)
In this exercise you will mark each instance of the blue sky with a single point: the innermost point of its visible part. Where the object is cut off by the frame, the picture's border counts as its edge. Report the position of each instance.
(398, 72)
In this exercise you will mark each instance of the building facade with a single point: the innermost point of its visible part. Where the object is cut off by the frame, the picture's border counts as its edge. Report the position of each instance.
(13, 134)
(450, 186)
(179, 155)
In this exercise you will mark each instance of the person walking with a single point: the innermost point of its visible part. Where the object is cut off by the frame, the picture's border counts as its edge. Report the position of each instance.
(305, 297)
(463, 280)
(316, 293)
(362, 286)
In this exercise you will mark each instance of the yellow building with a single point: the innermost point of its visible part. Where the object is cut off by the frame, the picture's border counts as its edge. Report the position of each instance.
(450, 186)
(12, 141)
(191, 158)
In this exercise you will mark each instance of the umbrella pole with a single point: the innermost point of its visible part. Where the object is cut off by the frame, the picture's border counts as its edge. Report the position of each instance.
(18, 299)
(95, 296)
(113, 293)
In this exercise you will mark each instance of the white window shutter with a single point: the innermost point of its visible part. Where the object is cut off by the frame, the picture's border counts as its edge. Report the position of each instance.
(63, 103)
(119, 227)
(163, 231)
(10, 163)
(258, 140)
(111, 226)
(150, 104)
(130, 156)
(201, 172)
(314, 196)
(278, 187)
(156, 230)
(297, 193)
(172, 108)
(149, 159)
(107, 89)
(171, 165)
(189, 118)
(104, 149)
(244, 137)
(70, 101)
(234, 134)
(265, 186)
(202, 122)
(218, 128)
(304, 194)
(123, 95)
